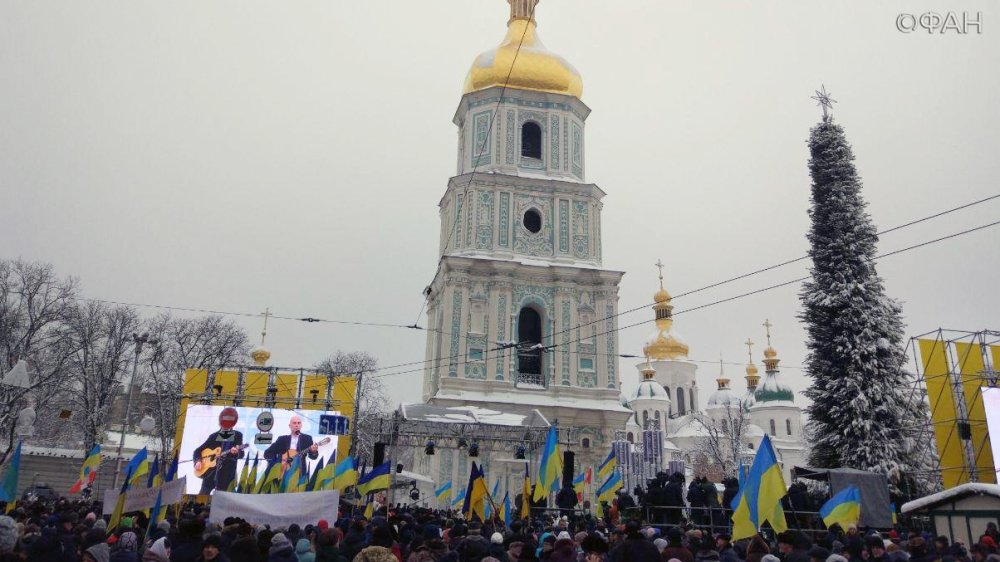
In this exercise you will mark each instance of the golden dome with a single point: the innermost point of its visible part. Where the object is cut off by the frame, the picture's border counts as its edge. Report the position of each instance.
(535, 68)
(770, 352)
(260, 355)
(751, 370)
(662, 296)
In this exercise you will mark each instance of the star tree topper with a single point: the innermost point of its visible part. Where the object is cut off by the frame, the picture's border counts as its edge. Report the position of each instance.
(824, 100)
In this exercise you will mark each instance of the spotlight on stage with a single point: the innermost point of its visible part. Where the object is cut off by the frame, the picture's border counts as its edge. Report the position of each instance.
(462, 443)
(429, 447)
(414, 492)
(474, 450)
(519, 452)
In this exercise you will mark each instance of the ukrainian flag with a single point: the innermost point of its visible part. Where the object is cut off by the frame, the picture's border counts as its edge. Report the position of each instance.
(550, 469)
(607, 466)
(760, 497)
(88, 472)
(459, 500)
(376, 479)
(346, 474)
(138, 466)
(607, 491)
(581, 481)
(475, 496)
(843, 508)
(443, 492)
(505, 511)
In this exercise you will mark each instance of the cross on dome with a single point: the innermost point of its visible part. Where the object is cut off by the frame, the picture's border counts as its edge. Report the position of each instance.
(767, 326)
(749, 345)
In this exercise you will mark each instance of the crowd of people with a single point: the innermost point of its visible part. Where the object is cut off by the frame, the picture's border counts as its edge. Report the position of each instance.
(72, 531)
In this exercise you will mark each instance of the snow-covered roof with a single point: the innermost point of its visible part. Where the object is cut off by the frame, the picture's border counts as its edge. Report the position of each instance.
(650, 390)
(773, 389)
(952, 494)
(470, 414)
(534, 399)
(723, 397)
(773, 404)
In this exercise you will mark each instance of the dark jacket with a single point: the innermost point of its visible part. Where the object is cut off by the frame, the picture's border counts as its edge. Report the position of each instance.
(353, 543)
(634, 549)
(679, 552)
(124, 556)
(283, 552)
(329, 553)
(473, 548)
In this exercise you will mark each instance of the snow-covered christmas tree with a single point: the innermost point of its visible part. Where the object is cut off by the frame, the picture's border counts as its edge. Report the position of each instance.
(860, 391)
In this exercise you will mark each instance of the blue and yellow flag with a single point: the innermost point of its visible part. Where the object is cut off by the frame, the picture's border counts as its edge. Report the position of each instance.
(156, 515)
(272, 475)
(581, 481)
(505, 511)
(843, 508)
(550, 469)
(376, 479)
(760, 496)
(154, 480)
(370, 510)
(88, 472)
(138, 467)
(8, 486)
(116, 515)
(489, 501)
(324, 476)
(250, 483)
(290, 480)
(606, 493)
(475, 495)
(345, 474)
(526, 494)
(459, 500)
(172, 471)
(442, 494)
(314, 481)
(609, 464)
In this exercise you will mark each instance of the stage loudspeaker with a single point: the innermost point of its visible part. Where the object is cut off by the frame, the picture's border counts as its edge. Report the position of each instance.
(399, 468)
(568, 469)
(965, 430)
(378, 456)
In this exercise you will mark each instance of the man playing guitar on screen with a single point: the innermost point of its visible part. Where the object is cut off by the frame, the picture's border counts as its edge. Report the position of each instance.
(215, 459)
(285, 448)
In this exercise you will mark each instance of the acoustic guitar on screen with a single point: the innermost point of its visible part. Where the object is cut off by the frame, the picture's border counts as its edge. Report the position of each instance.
(210, 459)
(288, 456)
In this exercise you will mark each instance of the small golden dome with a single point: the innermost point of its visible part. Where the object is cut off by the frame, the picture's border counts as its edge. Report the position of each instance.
(664, 344)
(662, 296)
(751, 370)
(535, 68)
(260, 355)
(770, 352)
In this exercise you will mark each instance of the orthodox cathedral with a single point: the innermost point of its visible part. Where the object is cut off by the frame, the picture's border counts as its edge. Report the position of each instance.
(522, 315)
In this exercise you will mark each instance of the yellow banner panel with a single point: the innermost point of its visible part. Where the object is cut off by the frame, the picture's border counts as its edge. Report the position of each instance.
(343, 401)
(229, 381)
(970, 365)
(254, 388)
(317, 383)
(942, 401)
(288, 390)
(195, 381)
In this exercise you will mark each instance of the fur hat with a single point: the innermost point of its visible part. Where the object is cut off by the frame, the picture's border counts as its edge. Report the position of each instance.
(496, 538)
(8, 534)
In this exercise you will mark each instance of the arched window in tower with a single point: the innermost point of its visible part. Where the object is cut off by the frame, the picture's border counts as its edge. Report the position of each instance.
(656, 415)
(529, 333)
(531, 140)
(691, 401)
(788, 426)
(772, 428)
(585, 443)
(680, 401)
(645, 419)
(630, 438)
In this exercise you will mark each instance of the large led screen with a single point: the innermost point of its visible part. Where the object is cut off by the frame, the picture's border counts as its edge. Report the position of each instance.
(209, 437)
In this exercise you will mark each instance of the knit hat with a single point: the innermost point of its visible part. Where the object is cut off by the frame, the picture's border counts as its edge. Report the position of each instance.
(835, 558)
(101, 524)
(212, 540)
(323, 524)
(8, 534)
(563, 535)
(128, 542)
(496, 538)
(100, 551)
(819, 553)
(280, 538)
(160, 547)
(660, 544)
(769, 558)
(164, 526)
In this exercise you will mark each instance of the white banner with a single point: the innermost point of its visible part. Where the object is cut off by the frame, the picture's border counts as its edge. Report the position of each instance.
(276, 510)
(137, 499)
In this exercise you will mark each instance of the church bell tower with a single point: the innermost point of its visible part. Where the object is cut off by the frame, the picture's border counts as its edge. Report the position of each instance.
(521, 313)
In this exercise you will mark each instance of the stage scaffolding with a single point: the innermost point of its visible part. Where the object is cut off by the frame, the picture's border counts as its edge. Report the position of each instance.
(952, 367)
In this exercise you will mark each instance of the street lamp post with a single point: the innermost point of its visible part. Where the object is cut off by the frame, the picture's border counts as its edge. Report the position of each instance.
(139, 341)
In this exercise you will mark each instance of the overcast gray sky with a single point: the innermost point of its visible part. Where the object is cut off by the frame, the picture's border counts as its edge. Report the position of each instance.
(234, 155)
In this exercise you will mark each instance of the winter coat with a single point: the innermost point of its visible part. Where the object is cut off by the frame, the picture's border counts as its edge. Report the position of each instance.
(706, 556)
(329, 553)
(679, 552)
(352, 544)
(220, 558)
(375, 554)
(187, 551)
(124, 556)
(303, 550)
(281, 552)
(150, 556)
(497, 551)
(757, 549)
(433, 550)
(100, 552)
(473, 548)
(729, 555)
(634, 550)
(564, 551)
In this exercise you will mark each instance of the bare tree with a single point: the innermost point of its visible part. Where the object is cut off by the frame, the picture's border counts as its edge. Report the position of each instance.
(100, 338)
(185, 343)
(34, 304)
(725, 434)
(374, 400)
